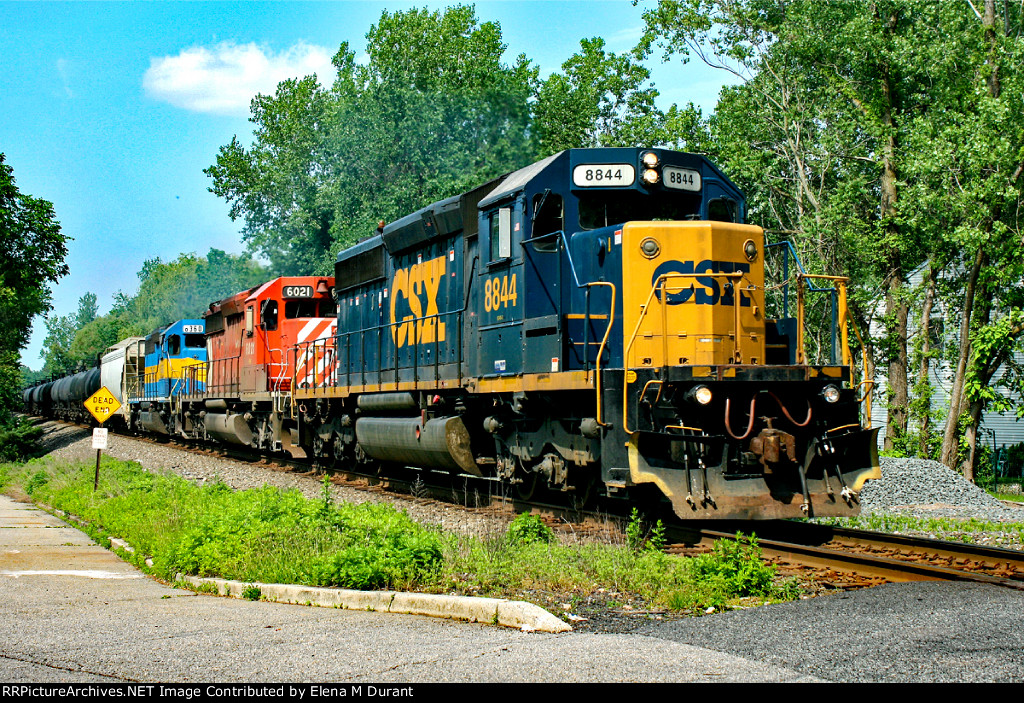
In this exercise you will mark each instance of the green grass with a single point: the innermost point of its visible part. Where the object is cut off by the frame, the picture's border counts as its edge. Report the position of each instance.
(1014, 497)
(961, 530)
(273, 536)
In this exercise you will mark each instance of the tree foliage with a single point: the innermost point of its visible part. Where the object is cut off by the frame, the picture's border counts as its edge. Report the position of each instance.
(168, 291)
(432, 112)
(877, 137)
(34, 249)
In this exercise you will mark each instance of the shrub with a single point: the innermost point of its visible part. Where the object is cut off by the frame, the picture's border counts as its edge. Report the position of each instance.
(19, 440)
(735, 568)
(528, 529)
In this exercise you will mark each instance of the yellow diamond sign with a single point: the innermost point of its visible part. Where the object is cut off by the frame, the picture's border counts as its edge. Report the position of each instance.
(102, 404)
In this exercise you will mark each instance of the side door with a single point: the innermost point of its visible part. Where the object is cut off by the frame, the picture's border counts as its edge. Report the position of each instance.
(542, 256)
(500, 290)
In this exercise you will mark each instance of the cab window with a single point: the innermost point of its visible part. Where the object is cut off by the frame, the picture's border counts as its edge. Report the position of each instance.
(547, 218)
(722, 210)
(268, 315)
(173, 345)
(501, 234)
(601, 209)
(299, 308)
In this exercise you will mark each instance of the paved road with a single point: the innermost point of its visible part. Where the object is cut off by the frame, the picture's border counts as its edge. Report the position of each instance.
(74, 612)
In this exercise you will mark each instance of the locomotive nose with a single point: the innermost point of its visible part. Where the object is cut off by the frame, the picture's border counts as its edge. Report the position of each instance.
(692, 295)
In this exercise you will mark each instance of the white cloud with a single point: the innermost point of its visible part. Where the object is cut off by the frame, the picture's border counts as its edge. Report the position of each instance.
(223, 79)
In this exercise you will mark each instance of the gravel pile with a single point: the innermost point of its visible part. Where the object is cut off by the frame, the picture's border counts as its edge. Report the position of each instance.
(929, 489)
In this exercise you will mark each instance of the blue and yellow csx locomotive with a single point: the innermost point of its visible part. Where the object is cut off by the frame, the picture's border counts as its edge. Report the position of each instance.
(593, 324)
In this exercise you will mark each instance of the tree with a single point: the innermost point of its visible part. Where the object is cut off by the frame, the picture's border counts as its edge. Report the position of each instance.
(599, 100)
(433, 111)
(34, 250)
(850, 130)
(169, 291)
(59, 351)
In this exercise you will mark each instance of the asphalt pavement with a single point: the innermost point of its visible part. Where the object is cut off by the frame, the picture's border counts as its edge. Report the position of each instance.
(73, 611)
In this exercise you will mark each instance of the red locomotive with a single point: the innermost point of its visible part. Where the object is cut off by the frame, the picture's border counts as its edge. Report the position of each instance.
(251, 339)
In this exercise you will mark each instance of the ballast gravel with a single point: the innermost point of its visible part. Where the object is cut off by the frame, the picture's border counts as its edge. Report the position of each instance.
(912, 487)
(929, 489)
(64, 442)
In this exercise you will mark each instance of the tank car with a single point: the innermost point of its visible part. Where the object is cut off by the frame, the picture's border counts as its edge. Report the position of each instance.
(67, 395)
(592, 324)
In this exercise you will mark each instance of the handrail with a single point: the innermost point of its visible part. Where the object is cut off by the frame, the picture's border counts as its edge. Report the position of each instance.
(660, 284)
(586, 322)
(842, 314)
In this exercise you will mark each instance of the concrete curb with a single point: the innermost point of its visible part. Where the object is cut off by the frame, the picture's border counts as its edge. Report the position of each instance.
(496, 611)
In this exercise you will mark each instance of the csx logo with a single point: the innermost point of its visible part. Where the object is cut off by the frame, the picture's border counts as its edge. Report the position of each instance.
(414, 303)
(709, 290)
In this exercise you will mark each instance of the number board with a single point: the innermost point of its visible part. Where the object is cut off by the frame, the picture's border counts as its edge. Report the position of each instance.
(102, 404)
(297, 292)
(192, 329)
(603, 175)
(681, 178)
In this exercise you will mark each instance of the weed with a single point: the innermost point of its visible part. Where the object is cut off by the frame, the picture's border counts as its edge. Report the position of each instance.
(268, 535)
(252, 592)
(528, 529)
(39, 479)
(418, 489)
(635, 531)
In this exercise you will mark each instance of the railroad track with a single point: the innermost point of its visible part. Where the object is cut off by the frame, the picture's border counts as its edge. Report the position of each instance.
(839, 557)
(861, 558)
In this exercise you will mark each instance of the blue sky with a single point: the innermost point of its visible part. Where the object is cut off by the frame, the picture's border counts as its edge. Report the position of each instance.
(111, 111)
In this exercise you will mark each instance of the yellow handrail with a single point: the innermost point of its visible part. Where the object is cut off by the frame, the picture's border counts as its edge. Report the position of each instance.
(600, 349)
(659, 283)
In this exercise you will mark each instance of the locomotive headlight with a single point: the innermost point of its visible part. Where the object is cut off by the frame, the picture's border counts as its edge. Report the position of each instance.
(650, 247)
(830, 393)
(700, 395)
(651, 177)
(750, 249)
(649, 159)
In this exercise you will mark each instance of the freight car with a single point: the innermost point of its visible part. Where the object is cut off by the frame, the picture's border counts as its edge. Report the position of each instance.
(592, 324)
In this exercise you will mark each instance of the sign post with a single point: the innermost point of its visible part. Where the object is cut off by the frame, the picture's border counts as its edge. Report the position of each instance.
(102, 404)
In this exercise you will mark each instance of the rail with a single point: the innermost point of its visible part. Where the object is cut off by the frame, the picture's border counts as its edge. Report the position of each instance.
(869, 554)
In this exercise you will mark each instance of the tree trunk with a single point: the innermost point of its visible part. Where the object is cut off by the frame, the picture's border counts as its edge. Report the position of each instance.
(950, 445)
(971, 435)
(924, 387)
(896, 309)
